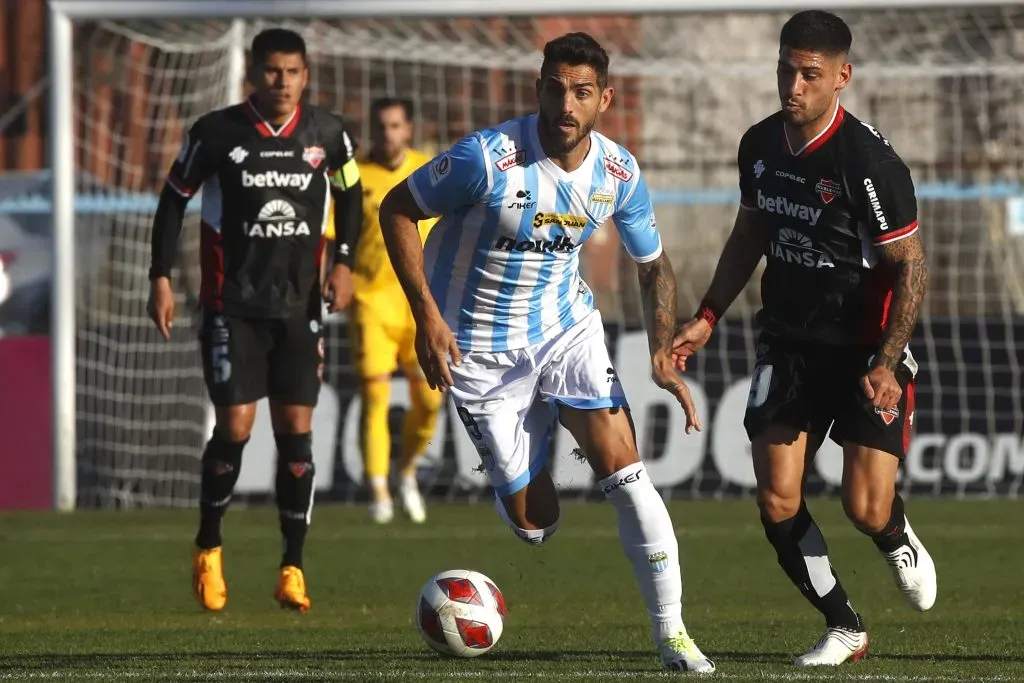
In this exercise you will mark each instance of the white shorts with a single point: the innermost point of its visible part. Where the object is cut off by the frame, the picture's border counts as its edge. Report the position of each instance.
(508, 401)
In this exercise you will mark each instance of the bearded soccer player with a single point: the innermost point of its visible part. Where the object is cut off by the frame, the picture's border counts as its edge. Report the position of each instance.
(381, 322)
(268, 168)
(506, 324)
(829, 202)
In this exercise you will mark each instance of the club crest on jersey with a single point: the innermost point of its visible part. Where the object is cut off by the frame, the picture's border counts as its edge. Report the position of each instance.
(617, 168)
(510, 160)
(314, 156)
(828, 190)
(601, 204)
(887, 415)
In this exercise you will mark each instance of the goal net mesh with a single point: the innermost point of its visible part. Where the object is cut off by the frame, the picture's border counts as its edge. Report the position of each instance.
(946, 87)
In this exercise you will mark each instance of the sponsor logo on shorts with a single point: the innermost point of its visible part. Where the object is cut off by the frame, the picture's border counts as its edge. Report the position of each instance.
(887, 415)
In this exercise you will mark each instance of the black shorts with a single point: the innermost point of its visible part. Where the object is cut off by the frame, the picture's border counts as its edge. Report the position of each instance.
(246, 359)
(817, 387)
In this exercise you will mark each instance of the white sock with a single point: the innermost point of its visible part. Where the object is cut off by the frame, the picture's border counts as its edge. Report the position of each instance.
(647, 537)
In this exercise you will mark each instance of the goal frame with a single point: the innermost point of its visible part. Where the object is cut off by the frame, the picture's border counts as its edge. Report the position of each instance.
(62, 14)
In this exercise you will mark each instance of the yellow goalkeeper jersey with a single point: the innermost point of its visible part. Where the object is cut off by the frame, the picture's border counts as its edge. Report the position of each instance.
(372, 270)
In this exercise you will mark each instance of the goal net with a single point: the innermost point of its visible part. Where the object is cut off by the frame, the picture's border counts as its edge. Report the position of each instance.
(945, 86)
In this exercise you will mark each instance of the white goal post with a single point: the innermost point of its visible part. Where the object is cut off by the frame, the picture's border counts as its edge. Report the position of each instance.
(62, 119)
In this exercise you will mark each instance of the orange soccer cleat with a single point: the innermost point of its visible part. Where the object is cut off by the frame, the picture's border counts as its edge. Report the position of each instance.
(291, 589)
(208, 578)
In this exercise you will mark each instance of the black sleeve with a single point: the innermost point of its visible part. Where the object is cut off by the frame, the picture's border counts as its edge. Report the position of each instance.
(347, 190)
(348, 221)
(745, 165)
(885, 198)
(170, 213)
(192, 166)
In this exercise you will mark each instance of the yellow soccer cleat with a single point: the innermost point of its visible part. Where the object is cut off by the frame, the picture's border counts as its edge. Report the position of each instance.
(208, 578)
(291, 589)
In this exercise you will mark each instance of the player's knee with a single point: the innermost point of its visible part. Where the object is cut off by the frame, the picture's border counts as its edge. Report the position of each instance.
(535, 529)
(233, 431)
(375, 392)
(776, 507)
(870, 514)
(425, 399)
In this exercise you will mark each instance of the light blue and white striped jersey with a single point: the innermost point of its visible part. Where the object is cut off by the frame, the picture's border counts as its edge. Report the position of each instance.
(503, 261)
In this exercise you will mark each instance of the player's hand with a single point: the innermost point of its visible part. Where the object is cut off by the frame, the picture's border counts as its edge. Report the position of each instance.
(664, 374)
(690, 338)
(881, 388)
(161, 305)
(435, 344)
(337, 289)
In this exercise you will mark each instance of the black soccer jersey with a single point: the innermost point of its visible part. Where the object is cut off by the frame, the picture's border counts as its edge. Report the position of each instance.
(265, 197)
(828, 207)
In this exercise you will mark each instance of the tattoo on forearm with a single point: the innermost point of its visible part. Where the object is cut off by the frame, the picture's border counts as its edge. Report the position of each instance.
(907, 257)
(658, 293)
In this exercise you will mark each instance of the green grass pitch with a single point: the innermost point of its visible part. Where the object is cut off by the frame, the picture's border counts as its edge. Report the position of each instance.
(106, 596)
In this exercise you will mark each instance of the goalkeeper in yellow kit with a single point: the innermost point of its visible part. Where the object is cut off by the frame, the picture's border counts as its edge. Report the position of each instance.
(383, 329)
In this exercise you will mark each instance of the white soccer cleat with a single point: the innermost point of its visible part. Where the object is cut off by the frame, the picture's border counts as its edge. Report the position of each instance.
(382, 511)
(412, 501)
(680, 653)
(914, 571)
(835, 647)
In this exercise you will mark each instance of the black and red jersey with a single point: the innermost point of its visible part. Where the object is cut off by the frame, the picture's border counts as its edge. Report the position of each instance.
(265, 198)
(828, 207)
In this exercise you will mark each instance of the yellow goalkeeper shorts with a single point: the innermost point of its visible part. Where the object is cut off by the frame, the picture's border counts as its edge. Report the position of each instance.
(383, 336)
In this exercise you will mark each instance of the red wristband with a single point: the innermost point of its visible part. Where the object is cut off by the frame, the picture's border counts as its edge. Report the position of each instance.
(706, 314)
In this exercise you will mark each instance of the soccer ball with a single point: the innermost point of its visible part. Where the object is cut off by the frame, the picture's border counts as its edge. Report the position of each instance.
(460, 613)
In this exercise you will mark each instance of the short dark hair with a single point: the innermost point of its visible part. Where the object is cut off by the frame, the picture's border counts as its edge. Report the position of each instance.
(273, 40)
(816, 31)
(382, 103)
(576, 49)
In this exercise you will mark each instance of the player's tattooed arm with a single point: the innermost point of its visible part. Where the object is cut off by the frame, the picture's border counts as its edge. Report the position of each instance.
(906, 258)
(658, 294)
(399, 217)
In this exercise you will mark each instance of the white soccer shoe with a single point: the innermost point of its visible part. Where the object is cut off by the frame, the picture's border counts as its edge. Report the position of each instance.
(412, 501)
(914, 571)
(382, 511)
(835, 647)
(680, 653)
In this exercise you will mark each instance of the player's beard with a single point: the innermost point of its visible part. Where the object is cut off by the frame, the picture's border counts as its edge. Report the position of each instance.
(563, 144)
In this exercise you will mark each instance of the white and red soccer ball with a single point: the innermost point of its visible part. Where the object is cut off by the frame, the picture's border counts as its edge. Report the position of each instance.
(460, 613)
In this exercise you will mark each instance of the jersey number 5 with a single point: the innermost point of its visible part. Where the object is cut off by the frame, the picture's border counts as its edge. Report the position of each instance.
(760, 383)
